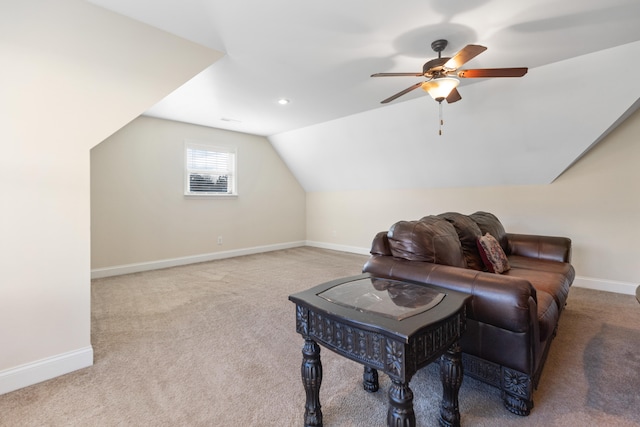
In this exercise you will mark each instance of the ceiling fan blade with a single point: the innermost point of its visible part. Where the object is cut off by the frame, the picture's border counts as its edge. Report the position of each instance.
(467, 53)
(399, 94)
(492, 72)
(397, 75)
(454, 96)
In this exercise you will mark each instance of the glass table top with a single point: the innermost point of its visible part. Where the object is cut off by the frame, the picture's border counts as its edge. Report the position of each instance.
(396, 300)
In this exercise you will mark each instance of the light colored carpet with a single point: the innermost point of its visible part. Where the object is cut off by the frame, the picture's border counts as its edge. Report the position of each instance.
(214, 344)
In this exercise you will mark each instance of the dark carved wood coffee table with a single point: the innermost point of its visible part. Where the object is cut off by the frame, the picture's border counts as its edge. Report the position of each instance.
(386, 325)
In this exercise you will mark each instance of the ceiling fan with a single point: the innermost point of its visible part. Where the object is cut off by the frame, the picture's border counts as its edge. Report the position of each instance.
(440, 85)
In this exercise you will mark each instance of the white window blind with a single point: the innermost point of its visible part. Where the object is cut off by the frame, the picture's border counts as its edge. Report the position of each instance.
(209, 170)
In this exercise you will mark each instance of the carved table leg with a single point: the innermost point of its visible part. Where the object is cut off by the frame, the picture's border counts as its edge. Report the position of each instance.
(400, 413)
(311, 379)
(451, 376)
(370, 379)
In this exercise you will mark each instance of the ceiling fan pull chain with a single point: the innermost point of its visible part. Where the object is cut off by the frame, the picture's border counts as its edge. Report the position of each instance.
(440, 118)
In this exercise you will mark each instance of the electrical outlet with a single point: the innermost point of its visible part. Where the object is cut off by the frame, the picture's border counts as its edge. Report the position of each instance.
(219, 240)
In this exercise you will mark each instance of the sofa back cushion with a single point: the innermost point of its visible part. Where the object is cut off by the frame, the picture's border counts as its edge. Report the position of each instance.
(489, 223)
(431, 239)
(468, 233)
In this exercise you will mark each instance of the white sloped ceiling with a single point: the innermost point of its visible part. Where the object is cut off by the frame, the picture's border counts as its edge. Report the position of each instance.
(503, 131)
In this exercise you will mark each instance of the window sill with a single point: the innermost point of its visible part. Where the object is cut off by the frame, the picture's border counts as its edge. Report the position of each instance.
(210, 195)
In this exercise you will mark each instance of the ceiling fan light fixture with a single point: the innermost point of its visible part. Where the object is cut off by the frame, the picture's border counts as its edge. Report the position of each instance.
(440, 88)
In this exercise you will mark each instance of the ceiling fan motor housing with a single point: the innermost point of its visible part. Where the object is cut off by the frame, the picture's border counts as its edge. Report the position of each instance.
(434, 68)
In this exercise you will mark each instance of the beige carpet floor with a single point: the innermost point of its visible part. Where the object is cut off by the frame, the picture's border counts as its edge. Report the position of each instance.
(214, 344)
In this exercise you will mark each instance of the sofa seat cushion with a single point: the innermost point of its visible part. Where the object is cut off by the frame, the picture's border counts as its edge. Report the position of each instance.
(555, 284)
(563, 268)
(431, 239)
(548, 314)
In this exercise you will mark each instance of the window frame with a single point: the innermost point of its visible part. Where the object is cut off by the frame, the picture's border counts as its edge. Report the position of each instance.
(212, 147)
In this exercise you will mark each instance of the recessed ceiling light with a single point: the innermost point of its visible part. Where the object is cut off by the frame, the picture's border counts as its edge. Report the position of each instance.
(228, 119)
(283, 101)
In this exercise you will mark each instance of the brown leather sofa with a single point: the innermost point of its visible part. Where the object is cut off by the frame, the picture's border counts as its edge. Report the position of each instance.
(512, 317)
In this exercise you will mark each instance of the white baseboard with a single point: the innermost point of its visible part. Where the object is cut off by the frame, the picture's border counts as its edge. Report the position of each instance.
(580, 282)
(45, 369)
(341, 248)
(605, 285)
(118, 270)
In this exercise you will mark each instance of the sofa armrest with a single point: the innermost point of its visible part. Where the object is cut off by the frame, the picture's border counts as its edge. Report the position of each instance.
(549, 248)
(380, 244)
(503, 301)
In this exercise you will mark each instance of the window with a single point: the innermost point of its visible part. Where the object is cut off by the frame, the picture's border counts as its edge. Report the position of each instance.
(210, 170)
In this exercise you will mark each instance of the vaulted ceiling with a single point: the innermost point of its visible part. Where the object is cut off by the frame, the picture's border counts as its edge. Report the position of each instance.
(335, 134)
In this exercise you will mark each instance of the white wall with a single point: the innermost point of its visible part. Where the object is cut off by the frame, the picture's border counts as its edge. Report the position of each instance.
(70, 75)
(596, 203)
(141, 219)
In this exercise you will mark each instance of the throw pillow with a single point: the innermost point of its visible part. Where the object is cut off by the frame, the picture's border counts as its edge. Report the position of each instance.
(492, 254)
